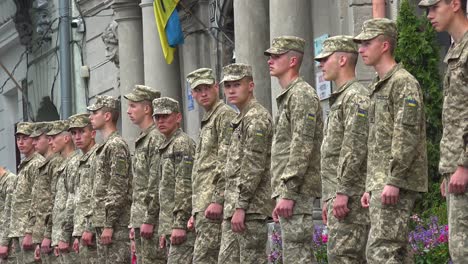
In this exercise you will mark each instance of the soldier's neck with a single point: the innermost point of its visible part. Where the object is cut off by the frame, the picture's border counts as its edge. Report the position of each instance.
(89, 147)
(384, 65)
(458, 28)
(68, 150)
(147, 122)
(287, 78)
(344, 77)
(108, 129)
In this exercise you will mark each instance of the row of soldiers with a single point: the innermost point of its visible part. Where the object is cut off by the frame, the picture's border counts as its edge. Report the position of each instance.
(177, 201)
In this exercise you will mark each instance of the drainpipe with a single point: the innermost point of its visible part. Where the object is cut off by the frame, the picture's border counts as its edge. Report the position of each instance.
(64, 52)
(378, 8)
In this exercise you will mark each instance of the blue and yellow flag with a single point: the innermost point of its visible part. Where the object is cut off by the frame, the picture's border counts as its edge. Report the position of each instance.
(169, 28)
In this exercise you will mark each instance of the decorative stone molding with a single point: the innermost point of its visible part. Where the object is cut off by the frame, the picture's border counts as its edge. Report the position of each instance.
(110, 37)
(23, 23)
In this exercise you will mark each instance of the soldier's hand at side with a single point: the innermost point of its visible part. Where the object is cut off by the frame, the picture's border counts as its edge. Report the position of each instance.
(45, 245)
(3, 252)
(275, 216)
(56, 251)
(132, 246)
(458, 181)
(284, 208)
(325, 213)
(106, 236)
(131, 233)
(442, 188)
(87, 238)
(178, 236)
(76, 245)
(340, 206)
(214, 211)
(365, 200)
(37, 253)
(237, 221)
(64, 247)
(27, 242)
(162, 241)
(191, 223)
(146, 230)
(390, 195)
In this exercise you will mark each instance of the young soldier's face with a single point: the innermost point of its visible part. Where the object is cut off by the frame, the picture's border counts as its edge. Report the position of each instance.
(97, 119)
(58, 142)
(370, 51)
(440, 15)
(136, 112)
(24, 143)
(168, 123)
(238, 92)
(41, 144)
(278, 64)
(82, 136)
(330, 67)
(206, 95)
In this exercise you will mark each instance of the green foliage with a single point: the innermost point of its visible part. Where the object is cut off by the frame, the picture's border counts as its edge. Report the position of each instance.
(418, 51)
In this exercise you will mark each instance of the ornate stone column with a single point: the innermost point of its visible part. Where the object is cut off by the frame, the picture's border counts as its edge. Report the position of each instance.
(128, 16)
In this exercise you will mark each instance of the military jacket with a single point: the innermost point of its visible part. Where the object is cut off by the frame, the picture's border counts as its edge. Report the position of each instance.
(397, 133)
(344, 147)
(7, 187)
(66, 173)
(21, 199)
(42, 197)
(210, 158)
(84, 185)
(112, 191)
(145, 166)
(455, 108)
(295, 153)
(175, 188)
(247, 170)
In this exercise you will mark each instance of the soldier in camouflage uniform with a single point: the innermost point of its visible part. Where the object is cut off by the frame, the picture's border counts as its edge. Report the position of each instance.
(208, 182)
(295, 153)
(344, 153)
(145, 162)
(175, 187)
(84, 138)
(397, 160)
(17, 221)
(111, 193)
(41, 201)
(450, 16)
(7, 186)
(247, 194)
(60, 225)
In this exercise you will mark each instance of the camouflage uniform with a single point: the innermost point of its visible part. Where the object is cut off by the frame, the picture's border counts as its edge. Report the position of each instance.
(111, 193)
(21, 198)
(396, 153)
(208, 182)
(453, 151)
(295, 157)
(83, 182)
(343, 161)
(175, 188)
(145, 162)
(247, 176)
(7, 187)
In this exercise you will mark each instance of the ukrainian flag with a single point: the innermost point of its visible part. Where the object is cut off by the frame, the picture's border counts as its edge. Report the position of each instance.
(169, 28)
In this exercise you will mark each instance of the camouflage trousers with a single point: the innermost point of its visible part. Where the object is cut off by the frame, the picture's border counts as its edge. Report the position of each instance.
(347, 238)
(118, 252)
(296, 233)
(388, 235)
(457, 207)
(207, 241)
(148, 251)
(27, 256)
(88, 254)
(181, 254)
(50, 258)
(14, 252)
(246, 247)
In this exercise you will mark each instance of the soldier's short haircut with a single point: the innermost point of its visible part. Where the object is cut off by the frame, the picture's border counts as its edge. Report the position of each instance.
(391, 41)
(248, 78)
(298, 55)
(462, 3)
(114, 113)
(352, 57)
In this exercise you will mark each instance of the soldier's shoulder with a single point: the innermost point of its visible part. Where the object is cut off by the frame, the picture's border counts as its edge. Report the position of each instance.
(117, 142)
(356, 93)
(183, 141)
(258, 113)
(402, 76)
(156, 136)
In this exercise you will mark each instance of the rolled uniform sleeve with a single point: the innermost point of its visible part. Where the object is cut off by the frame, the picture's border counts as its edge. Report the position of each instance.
(409, 109)
(353, 152)
(303, 115)
(256, 148)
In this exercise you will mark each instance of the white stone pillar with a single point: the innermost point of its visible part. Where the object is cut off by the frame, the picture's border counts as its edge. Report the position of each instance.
(252, 33)
(292, 18)
(158, 74)
(128, 16)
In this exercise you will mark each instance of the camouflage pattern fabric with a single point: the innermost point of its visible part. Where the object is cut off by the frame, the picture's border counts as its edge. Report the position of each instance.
(118, 252)
(297, 241)
(427, 3)
(200, 76)
(181, 254)
(104, 101)
(208, 240)
(236, 71)
(283, 44)
(7, 187)
(88, 254)
(148, 250)
(246, 247)
(165, 105)
(142, 93)
(339, 43)
(378, 26)
(25, 128)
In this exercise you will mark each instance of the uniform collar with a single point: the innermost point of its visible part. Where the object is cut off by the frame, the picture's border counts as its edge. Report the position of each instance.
(343, 87)
(456, 49)
(171, 138)
(244, 111)
(208, 114)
